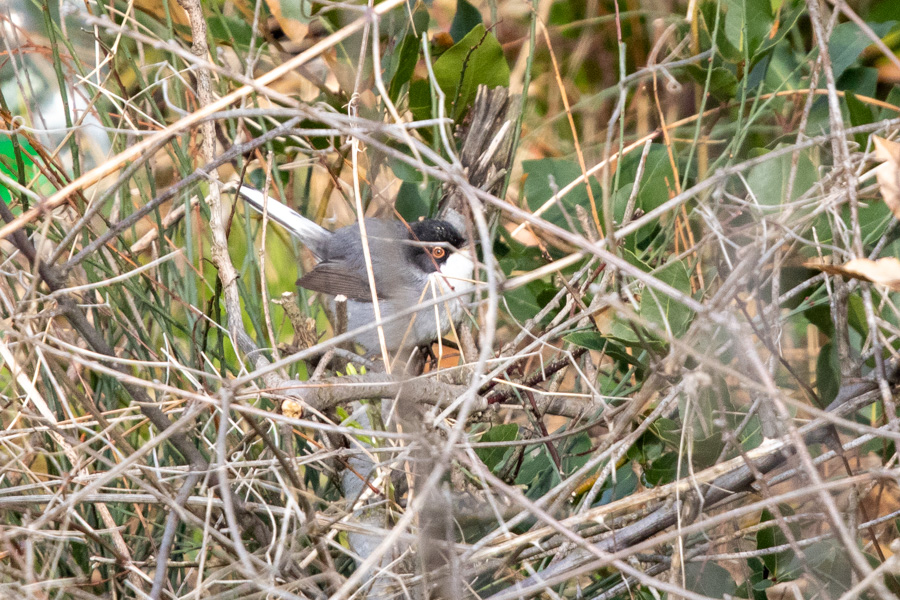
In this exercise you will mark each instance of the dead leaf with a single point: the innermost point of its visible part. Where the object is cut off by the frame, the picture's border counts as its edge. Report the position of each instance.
(884, 271)
(888, 173)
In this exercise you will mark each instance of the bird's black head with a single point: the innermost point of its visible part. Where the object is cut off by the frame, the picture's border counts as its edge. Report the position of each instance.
(432, 242)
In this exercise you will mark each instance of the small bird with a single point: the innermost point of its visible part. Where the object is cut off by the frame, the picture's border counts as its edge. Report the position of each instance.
(411, 263)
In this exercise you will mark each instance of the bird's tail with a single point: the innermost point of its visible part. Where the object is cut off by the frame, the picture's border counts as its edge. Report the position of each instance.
(310, 234)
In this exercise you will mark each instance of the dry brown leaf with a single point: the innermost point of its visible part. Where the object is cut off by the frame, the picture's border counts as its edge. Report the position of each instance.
(884, 271)
(888, 173)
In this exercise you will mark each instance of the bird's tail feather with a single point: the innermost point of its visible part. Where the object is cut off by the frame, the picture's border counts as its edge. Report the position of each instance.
(312, 236)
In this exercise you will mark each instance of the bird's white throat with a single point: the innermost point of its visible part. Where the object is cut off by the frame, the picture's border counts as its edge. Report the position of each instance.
(456, 274)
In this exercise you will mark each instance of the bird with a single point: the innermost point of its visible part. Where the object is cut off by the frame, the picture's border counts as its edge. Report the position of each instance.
(412, 263)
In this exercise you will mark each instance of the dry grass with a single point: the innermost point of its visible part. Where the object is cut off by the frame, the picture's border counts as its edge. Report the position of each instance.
(649, 377)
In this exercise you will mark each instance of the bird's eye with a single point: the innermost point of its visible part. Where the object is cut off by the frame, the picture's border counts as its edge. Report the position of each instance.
(438, 253)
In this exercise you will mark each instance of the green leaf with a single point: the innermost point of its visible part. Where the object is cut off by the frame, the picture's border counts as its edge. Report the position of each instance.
(780, 564)
(819, 315)
(831, 559)
(593, 340)
(723, 83)
(667, 430)
(655, 185)
(768, 180)
(420, 102)
(786, 23)
(475, 60)
(409, 202)
(662, 470)
(861, 80)
(492, 457)
(848, 41)
(626, 482)
(893, 97)
(747, 24)
(538, 473)
(884, 10)
(828, 373)
(467, 17)
(667, 313)
(576, 453)
(646, 449)
(707, 16)
(547, 176)
(405, 171)
(515, 256)
(856, 315)
(230, 30)
(759, 586)
(8, 164)
(860, 114)
(523, 301)
(657, 180)
(406, 65)
(709, 579)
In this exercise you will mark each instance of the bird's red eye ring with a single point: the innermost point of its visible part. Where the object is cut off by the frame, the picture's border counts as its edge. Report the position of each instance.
(438, 253)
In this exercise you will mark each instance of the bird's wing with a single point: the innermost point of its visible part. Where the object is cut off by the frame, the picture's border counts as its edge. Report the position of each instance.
(335, 278)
